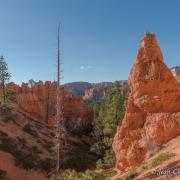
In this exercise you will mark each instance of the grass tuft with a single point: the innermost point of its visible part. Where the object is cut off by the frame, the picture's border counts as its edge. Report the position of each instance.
(28, 129)
(135, 171)
(161, 158)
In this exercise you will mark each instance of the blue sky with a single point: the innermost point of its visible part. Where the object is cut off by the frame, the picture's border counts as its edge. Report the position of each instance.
(99, 38)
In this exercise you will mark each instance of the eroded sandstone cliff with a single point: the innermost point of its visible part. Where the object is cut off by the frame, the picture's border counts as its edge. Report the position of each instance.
(153, 112)
(39, 101)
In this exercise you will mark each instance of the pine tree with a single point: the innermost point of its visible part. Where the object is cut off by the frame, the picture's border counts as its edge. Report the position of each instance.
(109, 118)
(4, 76)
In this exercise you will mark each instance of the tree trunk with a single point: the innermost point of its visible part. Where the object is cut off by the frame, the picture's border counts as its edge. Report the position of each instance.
(4, 91)
(47, 108)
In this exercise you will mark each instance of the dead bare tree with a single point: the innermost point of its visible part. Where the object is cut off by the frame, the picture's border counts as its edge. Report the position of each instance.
(47, 104)
(60, 129)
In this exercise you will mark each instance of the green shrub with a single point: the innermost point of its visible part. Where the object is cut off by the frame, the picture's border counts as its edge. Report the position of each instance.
(28, 129)
(9, 118)
(99, 164)
(22, 141)
(79, 159)
(109, 157)
(5, 109)
(35, 149)
(160, 158)
(135, 171)
(45, 164)
(69, 175)
(6, 144)
(47, 145)
(87, 175)
(3, 175)
(26, 160)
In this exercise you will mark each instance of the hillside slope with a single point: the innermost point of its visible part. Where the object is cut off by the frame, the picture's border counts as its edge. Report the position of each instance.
(24, 145)
(171, 165)
(163, 165)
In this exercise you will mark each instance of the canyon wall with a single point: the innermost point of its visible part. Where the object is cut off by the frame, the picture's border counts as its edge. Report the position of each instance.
(153, 112)
(39, 102)
(99, 91)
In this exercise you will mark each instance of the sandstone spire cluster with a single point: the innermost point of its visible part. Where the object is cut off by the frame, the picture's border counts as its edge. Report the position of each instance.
(39, 102)
(153, 112)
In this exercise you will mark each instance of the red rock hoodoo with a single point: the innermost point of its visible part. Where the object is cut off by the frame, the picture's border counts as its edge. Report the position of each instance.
(39, 102)
(153, 112)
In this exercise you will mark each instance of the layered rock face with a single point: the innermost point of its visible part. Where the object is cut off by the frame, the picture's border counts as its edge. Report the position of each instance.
(39, 102)
(99, 91)
(153, 112)
(77, 88)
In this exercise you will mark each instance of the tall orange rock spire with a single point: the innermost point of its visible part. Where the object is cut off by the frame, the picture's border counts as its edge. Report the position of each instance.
(153, 112)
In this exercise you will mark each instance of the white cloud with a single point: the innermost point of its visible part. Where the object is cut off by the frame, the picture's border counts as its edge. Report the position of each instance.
(82, 68)
(86, 67)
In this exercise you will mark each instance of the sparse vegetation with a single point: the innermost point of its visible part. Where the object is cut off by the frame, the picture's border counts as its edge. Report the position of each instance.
(78, 158)
(27, 158)
(22, 141)
(8, 115)
(28, 129)
(99, 174)
(108, 118)
(45, 164)
(35, 149)
(47, 145)
(160, 158)
(137, 170)
(5, 109)
(6, 144)
(22, 158)
(9, 118)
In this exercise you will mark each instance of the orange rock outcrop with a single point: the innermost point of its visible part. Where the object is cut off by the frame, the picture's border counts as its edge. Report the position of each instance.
(153, 112)
(39, 102)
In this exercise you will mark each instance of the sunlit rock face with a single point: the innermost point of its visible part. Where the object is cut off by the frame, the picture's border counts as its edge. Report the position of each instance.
(39, 101)
(153, 112)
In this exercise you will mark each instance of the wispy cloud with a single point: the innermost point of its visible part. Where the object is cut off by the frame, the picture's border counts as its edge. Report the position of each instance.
(87, 67)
